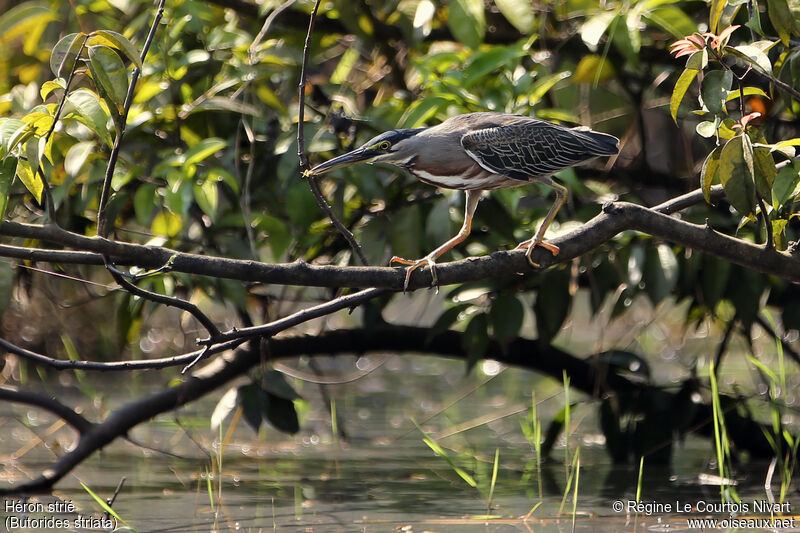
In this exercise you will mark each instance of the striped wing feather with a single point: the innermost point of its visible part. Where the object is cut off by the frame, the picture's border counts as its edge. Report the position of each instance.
(533, 148)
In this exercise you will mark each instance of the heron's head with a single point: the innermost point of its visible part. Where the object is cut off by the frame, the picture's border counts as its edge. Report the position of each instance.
(395, 147)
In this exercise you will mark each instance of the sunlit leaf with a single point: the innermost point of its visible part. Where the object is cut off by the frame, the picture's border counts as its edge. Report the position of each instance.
(752, 55)
(593, 68)
(24, 18)
(717, 7)
(785, 184)
(764, 168)
(50, 86)
(110, 75)
(116, 41)
(709, 173)
(679, 92)
(467, 21)
(207, 197)
(65, 53)
(519, 13)
(782, 19)
(594, 28)
(202, 150)
(8, 169)
(345, 65)
(225, 406)
(31, 181)
(671, 19)
(86, 105)
(76, 157)
(166, 223)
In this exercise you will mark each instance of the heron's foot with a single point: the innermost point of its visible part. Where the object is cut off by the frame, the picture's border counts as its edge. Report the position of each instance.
(530, 244)
(415, 264)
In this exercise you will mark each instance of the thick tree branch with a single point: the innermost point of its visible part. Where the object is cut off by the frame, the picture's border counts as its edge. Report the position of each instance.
(615, 218)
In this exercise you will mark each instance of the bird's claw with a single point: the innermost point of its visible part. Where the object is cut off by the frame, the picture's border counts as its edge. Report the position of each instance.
(530, 244)
(415, 264)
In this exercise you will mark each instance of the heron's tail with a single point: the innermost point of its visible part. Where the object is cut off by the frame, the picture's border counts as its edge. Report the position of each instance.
(596, 143)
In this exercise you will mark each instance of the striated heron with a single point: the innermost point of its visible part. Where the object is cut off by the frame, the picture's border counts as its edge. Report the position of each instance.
(478, 152)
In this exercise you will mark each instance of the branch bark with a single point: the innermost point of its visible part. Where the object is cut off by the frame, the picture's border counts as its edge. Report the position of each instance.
(614, 218)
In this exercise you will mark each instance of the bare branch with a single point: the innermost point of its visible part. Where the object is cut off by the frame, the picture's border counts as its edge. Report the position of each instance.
(163, 299)
(102, 220)
(301, 147)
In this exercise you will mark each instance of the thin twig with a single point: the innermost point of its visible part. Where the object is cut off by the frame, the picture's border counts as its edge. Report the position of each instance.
(163, 299)
(301, 148)
(102, 220)
(304, 315)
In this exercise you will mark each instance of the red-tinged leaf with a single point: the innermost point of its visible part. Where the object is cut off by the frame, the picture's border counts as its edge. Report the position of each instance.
(722, 39)
(682, 85)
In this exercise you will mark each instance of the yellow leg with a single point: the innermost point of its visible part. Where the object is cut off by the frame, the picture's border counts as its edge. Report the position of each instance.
(472, 198)
(538, 238)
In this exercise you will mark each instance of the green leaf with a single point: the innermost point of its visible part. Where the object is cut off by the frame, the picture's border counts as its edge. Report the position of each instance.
(421, 110)
(405, 232)
(485, 62)
(736, 174)
(445, 320)
(716, 85)
(253, 402)
(782, 19)
(278, 235)
(31, 180)
(671, 19)
(748, 91)
(467, 21)
(23, 19)
(785, 184)
(116, 41)
(345, 65)
(682, 85)
(476, 339)
(717, 7)
(707, 128)
(166, 223)
(594, 28)
(752, 55)
(50, 86)
(207, 196)
(144, 202)
(87, 108)
(202, 150)
(552, 305)
(438, 226)
(8, 169)
(8, 127)
(661, 272)
(76, 157)
(282, 414)
(519, 13)
(65, 53)
(506, 317)
(709, 173)
(698, 60)
(593, 68)
(763, 165)
(110, 75)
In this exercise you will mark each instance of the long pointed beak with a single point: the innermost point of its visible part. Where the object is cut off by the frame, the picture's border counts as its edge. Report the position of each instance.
(350, 158)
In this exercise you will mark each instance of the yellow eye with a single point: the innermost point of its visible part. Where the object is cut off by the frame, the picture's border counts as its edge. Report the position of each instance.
(385, 145)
